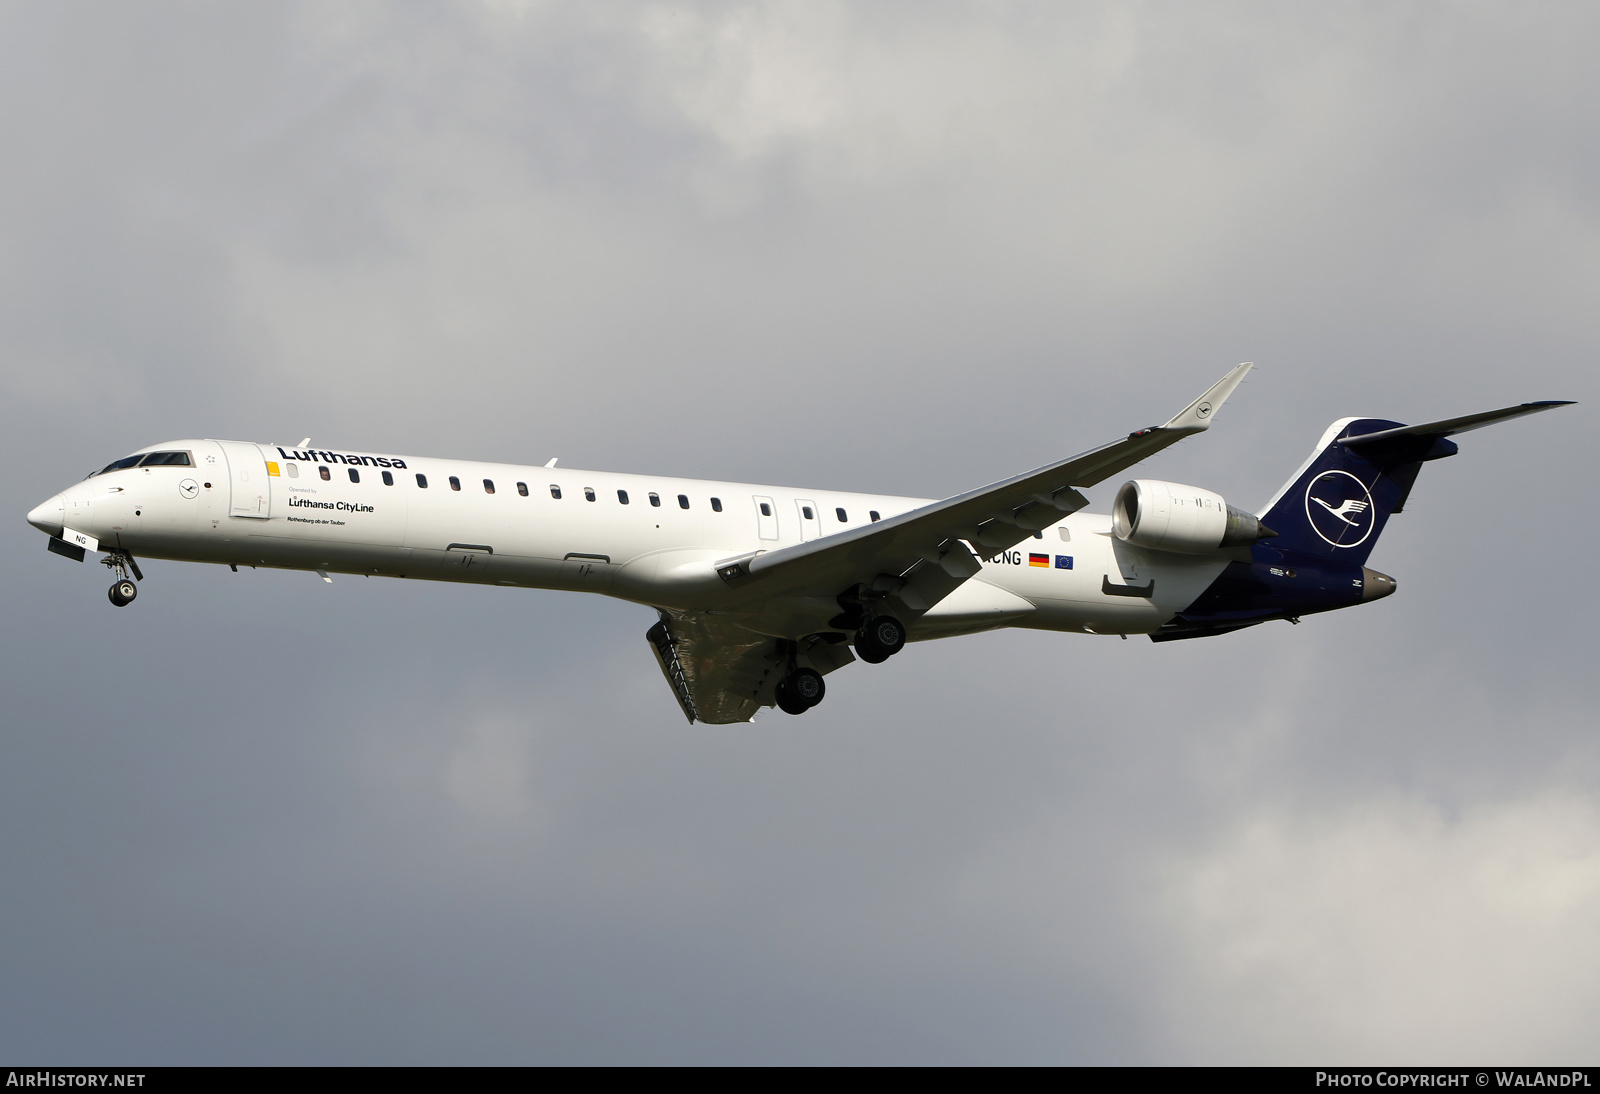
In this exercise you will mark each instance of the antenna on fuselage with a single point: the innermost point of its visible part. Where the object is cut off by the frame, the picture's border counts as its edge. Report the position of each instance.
(553, 460)
(303, 443)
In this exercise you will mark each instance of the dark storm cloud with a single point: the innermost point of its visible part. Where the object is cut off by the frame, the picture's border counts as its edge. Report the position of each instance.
(257, 818)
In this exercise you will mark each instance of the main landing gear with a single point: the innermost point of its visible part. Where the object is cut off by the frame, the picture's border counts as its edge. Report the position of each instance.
(801, 690)
(123, 590)
(879, 639)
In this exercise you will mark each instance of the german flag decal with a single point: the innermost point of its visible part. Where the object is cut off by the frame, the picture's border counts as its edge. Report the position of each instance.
(1039, 560)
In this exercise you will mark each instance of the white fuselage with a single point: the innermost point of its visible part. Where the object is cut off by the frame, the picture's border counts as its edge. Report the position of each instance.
(245, 504)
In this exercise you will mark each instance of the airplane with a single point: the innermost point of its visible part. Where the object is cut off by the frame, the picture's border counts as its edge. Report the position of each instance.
(762, 591)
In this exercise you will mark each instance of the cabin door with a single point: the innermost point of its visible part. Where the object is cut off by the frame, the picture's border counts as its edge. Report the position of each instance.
(247, 479)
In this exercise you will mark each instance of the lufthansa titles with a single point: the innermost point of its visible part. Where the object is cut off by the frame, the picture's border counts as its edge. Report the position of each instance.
(342, 506)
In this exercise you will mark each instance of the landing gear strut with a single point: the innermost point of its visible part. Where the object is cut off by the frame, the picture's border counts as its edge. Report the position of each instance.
(801, 690)
(879, 639)
(123, 590)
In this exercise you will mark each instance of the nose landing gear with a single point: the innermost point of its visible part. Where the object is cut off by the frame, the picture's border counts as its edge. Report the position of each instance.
(123, 590)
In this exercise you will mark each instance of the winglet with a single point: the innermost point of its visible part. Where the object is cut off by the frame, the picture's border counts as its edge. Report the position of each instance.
(1196, 417)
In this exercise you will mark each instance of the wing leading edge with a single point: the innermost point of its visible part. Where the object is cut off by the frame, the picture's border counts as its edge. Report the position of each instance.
(921, 556)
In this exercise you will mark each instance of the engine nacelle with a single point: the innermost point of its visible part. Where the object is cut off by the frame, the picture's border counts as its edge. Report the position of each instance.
(1168, 516)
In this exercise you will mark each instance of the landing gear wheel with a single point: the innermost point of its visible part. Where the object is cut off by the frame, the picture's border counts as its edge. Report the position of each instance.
(872, 655)
(123, 592)
(801, 690)
(880, 639)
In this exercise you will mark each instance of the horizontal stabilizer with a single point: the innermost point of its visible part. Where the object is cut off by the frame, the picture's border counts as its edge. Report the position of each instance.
(1453, 425)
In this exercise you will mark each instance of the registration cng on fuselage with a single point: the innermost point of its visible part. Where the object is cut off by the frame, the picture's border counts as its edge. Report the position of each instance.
(761, 591)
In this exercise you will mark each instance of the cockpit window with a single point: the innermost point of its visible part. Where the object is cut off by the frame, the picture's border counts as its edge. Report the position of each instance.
(126, 461)
(147, 459)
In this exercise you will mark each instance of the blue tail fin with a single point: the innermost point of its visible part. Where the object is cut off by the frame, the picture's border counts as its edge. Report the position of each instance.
(1360, 473)
(1338, 502)
(1325, 522)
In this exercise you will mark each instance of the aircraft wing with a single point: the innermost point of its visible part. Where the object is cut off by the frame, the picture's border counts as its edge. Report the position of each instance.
(919, 556)
(722, 673)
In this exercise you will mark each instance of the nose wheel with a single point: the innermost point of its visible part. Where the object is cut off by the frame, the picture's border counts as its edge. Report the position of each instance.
(123, 590)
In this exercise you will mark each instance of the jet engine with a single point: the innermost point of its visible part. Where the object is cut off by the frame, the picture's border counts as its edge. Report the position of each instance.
(1168, 516)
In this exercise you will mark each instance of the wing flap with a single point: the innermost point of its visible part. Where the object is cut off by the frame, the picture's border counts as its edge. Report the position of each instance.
(721, 673)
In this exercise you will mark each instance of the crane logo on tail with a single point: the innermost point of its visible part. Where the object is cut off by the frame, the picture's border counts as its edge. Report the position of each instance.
(1346, 506)
(1339, 508)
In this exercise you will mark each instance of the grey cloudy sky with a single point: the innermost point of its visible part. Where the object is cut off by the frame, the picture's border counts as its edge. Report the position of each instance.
(899, 247)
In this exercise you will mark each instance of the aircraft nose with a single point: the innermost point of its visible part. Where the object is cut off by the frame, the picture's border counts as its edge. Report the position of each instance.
(47, 517)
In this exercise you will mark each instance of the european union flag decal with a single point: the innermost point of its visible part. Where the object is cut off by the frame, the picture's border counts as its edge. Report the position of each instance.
(1063, 562)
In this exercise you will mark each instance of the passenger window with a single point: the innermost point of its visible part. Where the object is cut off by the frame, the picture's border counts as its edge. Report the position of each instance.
(1038, 535)
(840, 514)
(766, 510)
(622, 496)
(455, 483)
(588, 493)
(388, 479)
(294, 470)
(488, 486)
(873, 513)
(522, 488)
(716, 505)
(805, 511)
(323, 471)
(555, 491)
(422, 481)
(355, 476)
(655, 499)
(683, 501)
